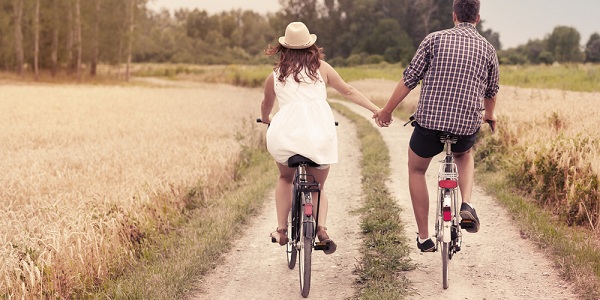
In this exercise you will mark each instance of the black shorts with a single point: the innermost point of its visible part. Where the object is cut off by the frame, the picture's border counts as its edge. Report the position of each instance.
(425, 142)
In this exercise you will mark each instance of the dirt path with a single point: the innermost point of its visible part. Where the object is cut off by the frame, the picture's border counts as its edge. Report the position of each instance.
(495, 263)
(257, 269)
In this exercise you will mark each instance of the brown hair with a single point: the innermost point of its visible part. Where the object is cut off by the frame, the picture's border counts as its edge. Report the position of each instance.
(293, 61)
(466, 10)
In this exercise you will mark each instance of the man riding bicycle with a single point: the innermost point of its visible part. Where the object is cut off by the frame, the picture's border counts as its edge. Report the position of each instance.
(457, 68)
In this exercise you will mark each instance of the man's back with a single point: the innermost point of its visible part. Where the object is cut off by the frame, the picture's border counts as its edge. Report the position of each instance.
(458, 68)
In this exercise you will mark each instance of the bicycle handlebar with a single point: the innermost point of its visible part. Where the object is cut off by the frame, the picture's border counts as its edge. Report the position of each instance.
(259, 120)
(412, 120)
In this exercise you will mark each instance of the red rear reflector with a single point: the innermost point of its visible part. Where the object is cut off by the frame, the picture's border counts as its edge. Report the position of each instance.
(308, 209)
(447, 214)
(448, 184)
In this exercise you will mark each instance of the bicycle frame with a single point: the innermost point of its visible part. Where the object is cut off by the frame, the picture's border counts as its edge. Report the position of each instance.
(447, 225)
(305, 185)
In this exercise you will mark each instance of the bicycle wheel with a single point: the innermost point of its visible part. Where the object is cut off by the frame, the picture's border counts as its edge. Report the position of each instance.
(305, 265)
(291, 251)
(445, 262)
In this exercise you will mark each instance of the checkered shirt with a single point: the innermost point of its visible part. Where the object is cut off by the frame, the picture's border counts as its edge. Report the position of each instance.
(458, 68)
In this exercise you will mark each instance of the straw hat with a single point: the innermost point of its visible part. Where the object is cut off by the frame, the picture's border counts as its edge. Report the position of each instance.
(297, 36)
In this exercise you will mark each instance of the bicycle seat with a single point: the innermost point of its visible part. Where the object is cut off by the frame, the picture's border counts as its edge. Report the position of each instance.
(447, 136)
(296, 160)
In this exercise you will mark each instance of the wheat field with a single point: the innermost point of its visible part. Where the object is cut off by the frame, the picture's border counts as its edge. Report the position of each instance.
(85, 170)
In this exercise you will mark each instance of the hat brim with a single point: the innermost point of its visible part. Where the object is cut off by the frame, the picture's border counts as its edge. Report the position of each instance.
(313, 39)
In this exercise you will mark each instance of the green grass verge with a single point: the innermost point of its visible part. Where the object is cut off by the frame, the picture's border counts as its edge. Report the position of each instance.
(171, 266)
(385, 250)
(573, 251)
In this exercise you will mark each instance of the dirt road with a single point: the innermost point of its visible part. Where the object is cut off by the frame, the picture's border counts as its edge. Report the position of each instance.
(495, 263)
(257, 269)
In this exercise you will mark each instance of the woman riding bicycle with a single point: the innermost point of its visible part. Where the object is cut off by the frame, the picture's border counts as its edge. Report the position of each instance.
(304, 123)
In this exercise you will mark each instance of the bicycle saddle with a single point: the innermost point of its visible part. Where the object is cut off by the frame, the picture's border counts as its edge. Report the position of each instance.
(447, 136)
(298, 159)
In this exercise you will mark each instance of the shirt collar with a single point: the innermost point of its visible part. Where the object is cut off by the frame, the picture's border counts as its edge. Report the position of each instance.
(465, 24)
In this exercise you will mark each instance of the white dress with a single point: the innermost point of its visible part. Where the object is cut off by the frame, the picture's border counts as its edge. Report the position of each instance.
(304, 123)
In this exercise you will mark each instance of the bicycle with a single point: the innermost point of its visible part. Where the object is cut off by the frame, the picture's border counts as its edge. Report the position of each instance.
(302, 220)
(448, 226)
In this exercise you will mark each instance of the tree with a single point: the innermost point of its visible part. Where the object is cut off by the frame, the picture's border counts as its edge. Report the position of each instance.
(592, 49)
(36, 47)
(18, 17)
(563, 43)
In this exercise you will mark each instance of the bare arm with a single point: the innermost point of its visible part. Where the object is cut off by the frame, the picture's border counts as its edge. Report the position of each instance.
(269, 100)
(489, 104)
(384, 116)
(332, 78)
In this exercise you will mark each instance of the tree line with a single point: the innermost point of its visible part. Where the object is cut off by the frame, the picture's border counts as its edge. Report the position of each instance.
(75, 36)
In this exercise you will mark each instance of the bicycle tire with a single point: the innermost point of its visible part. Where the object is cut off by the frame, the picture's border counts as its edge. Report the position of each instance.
(445, 262)
(305, 261)
(291, 251)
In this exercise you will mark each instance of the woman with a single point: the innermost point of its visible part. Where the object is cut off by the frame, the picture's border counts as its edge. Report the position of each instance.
(304, 123)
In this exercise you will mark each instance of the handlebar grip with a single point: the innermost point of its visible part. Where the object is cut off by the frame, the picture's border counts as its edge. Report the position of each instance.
(259, 120)
(491, 123)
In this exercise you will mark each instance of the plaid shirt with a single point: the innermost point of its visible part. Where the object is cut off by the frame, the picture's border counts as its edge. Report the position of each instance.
(458, 67)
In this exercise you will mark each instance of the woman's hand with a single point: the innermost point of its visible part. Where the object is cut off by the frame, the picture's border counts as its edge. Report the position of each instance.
(383, 118)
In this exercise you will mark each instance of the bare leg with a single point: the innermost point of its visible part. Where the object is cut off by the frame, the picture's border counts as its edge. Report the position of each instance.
(417, 166)
(466, 169)
(283, 194)
(320, 177)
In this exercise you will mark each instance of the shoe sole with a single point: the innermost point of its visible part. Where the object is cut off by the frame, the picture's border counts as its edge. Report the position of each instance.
(465, 215)
(330, 248)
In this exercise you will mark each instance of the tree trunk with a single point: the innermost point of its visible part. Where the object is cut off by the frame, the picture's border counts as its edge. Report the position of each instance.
(36, 43)
(95, 42)
(55, 24)
(20, 56)
(78, 37)
(70, 35)
(130, 39)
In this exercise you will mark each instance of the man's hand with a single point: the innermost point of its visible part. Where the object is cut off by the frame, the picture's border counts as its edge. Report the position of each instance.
(383, 118)
(490, 119)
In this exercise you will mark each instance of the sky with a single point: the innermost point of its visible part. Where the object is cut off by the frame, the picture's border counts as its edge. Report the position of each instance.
(517, 21)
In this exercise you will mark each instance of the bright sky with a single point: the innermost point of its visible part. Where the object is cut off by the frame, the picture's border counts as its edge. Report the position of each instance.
(517, 21)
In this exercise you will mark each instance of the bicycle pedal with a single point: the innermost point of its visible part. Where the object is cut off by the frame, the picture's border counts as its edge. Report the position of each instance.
(467, 224)
(322, 246)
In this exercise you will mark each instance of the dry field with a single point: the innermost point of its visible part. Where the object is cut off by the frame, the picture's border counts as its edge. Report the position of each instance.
(85, 170)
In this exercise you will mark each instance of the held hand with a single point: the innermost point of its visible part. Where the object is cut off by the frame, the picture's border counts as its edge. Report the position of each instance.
(382, 118)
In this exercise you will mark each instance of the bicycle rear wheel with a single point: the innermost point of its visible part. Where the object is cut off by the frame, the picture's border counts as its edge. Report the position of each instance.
(305, 265)
(445, 262)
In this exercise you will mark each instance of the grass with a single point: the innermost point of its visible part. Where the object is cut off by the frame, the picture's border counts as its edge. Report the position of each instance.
(570, 77)
(574, 253)
(94, 173)
(172, 266)
(385, 250)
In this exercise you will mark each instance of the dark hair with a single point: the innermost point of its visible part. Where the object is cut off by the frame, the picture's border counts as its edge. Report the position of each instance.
(293, 61)
(466, 10)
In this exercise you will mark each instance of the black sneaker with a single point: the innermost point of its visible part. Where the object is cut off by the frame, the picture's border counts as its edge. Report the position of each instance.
(470, 221)
(427, 246)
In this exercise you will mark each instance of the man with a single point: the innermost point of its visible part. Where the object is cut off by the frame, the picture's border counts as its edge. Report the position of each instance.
(458, 68)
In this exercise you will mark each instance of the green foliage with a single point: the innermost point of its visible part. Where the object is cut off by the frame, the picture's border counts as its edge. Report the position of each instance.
(572, 77)
(564, 44)
(592, 49)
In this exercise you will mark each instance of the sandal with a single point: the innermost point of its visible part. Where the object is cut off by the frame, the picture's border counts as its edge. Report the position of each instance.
(279, 236)
(330, 246)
